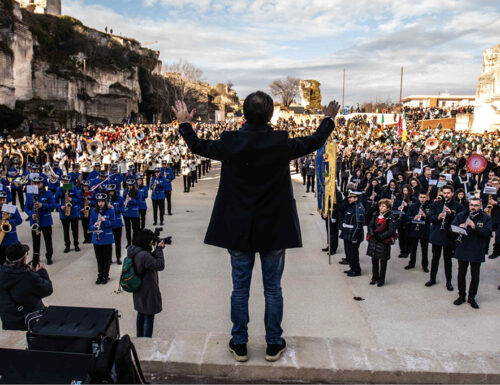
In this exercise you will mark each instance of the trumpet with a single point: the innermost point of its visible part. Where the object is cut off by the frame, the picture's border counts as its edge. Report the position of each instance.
(5, 226)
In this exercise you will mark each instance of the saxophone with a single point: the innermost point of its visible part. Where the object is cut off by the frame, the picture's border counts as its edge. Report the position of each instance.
(86, 209)
(489, 207)
(5, 226)
(68, 205)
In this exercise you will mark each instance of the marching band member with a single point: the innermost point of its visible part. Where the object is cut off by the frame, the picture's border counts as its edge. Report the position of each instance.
(158, 196)
(441, 215)
(13, 220)
(419, 230)
(101, 220)
(381, 230)
(94, 174)
(75, 174)
(168, 174)
(116, 201)
(131, 214)
(400, 208)
(143, 194)
(88, 202)
(186, 175)
(115, 177)
(54, 184)
(352, 232)
(39, 209)
(16, 171)
(69, 201)
(471, 248)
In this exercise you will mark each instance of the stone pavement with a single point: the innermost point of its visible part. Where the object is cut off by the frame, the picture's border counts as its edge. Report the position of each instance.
(402, 316)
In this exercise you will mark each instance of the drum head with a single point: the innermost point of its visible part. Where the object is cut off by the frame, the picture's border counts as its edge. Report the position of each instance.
(476, 164)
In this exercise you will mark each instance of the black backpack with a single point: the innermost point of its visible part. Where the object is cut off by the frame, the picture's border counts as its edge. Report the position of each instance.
(117, 363)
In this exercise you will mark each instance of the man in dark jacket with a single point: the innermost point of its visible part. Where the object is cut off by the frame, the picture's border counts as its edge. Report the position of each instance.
(22, 287)
(471, 248)
(254, 210)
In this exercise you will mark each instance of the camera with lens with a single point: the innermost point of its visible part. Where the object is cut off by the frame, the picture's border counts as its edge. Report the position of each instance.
(166, 240)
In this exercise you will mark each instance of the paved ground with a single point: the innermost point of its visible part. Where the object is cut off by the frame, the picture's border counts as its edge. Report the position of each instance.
(319, 300)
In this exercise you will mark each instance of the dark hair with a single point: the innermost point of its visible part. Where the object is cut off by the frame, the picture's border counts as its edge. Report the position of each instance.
(143, 239)
(258, 108)
(448, 187)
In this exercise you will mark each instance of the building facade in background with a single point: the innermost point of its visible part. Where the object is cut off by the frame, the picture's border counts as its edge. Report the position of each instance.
(440, 101)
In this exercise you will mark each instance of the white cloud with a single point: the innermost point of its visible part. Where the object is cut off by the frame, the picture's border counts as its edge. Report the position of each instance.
(251, 43)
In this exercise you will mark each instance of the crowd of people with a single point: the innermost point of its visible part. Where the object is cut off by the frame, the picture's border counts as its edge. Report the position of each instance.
(410, 193)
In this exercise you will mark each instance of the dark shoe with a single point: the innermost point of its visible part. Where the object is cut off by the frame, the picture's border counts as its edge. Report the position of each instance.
(460, 300)
(373, 282)
(402, 256)
(473, 303)
(273, 351)
(449, 287)
(492, 256)
(380, 283)
(324, 249)
(430, 283)
(161, 223)
(409, 267)
(169, 213)
(49, 261)
(347, 271)
(77, 248)
(354, 274)
(343, 262)
(239, 351)
(105, 280)
(154, 223)
(425, 269)
(99, 281)
(66, 249)
(118, 261)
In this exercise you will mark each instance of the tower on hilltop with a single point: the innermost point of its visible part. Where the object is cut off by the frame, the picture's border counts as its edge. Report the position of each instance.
(51, 7)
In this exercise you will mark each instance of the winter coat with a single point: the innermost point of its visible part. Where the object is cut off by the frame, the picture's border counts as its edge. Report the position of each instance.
(21, 292)
(147, 299)
(376, 246)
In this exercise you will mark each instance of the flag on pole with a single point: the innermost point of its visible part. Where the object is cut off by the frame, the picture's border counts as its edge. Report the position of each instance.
(400, 126)
(404, 128)
(382, 124)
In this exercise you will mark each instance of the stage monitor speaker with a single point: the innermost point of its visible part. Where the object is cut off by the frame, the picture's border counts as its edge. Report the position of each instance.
(73, 329)
(36, 367)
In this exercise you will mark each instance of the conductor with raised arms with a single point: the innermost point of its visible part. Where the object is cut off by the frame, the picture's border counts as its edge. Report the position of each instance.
(254, 210)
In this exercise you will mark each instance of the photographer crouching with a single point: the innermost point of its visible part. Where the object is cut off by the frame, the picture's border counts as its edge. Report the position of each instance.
(22, 287)
(147, 263)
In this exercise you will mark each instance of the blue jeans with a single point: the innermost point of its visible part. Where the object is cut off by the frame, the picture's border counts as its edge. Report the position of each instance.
(273, 263)
(145, 325)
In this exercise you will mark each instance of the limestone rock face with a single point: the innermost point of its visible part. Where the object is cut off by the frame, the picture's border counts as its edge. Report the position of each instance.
(487, 108)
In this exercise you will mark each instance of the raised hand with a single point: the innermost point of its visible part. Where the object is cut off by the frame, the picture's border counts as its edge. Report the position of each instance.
(332, 109)
(181, 112)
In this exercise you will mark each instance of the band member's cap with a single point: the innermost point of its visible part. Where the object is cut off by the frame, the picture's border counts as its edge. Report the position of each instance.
(66, 178)
(103, 173)
(130, 181)
(353, 193)
(15, 160)
(111, 187)
(164, 161)
(37, 179)
(86, 183)
(102, 197)
(139, 175)
(3, 194)
(35, 166)
(97, 164)
(16, 251)
(157, 169)
(113, 167)
(131, 167)
(76, 165)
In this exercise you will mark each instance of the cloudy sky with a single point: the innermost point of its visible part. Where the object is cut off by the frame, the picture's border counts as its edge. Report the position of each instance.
(253, 42)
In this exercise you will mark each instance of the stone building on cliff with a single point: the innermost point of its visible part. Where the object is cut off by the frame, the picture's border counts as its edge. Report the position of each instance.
(487, 108)
(50, 7)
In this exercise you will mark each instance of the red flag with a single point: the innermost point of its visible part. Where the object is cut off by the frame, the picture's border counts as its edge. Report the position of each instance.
(400, 126)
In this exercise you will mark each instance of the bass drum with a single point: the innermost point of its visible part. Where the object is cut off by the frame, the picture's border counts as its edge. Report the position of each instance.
(476, 164)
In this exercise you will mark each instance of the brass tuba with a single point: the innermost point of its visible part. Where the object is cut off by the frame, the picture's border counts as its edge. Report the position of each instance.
(431, 143)
(18, 154)
(94, 148)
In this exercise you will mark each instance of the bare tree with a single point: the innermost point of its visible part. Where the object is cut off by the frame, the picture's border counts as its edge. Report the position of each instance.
(187, 70)
(287, 89)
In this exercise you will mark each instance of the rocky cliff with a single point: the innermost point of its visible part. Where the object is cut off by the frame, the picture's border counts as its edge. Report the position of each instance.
(487, 108)
(58, 72)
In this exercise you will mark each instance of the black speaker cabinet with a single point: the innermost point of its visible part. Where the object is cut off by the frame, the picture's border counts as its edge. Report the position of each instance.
(73, 329)
(35, 367)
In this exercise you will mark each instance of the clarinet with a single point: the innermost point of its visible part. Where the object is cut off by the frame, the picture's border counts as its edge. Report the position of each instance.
(444, 217)
(417, 227)
(98, 227)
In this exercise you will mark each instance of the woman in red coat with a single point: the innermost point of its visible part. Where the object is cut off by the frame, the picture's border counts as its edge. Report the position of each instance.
(381, 235)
